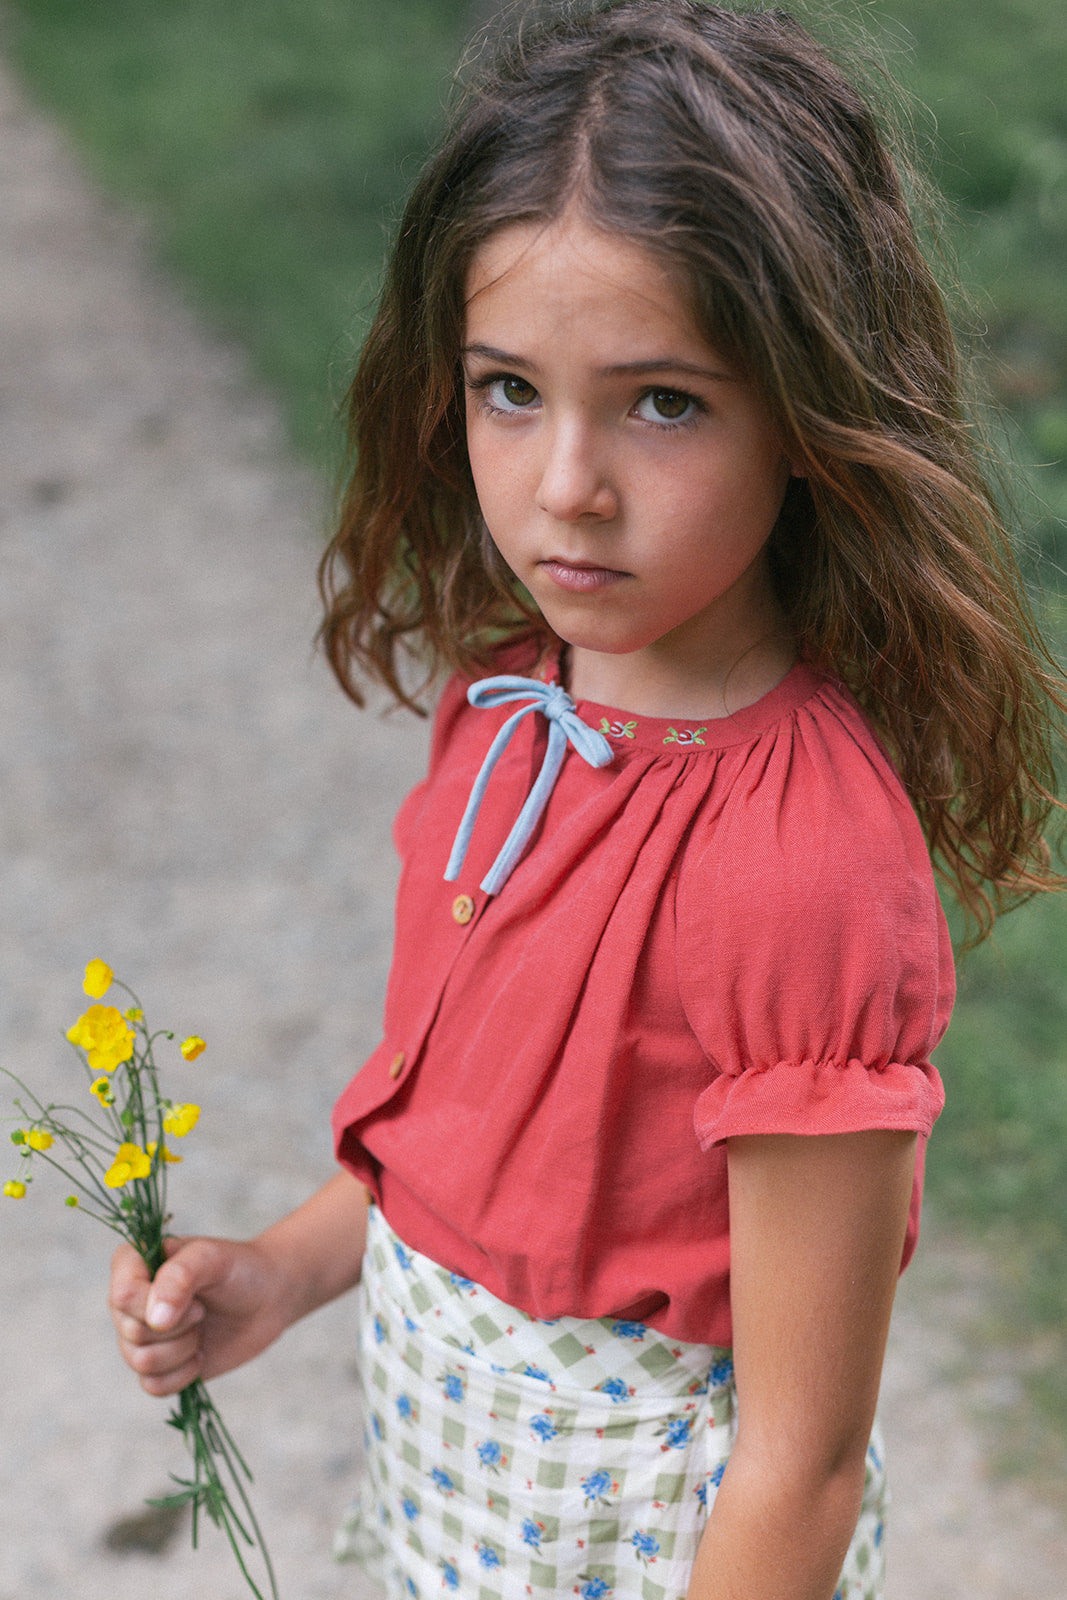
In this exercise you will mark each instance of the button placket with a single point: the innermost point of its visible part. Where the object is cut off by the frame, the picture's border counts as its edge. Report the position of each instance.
(464, 909)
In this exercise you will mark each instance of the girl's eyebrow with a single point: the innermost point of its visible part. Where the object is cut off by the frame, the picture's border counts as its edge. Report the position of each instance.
(621, 369)
(504, 357)
(668, 364)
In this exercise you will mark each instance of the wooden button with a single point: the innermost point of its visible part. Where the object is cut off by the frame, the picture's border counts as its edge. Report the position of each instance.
(396, 1066)
(463, 909)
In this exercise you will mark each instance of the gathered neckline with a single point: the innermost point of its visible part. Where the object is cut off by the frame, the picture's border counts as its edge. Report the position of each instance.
(689, 735)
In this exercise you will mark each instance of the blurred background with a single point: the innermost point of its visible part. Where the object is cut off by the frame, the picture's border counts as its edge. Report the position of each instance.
(195, 203)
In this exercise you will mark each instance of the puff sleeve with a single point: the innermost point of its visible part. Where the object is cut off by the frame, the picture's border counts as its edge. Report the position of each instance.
(815, 966)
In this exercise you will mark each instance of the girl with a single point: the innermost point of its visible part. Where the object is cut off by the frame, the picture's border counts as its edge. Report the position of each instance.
(658, 438)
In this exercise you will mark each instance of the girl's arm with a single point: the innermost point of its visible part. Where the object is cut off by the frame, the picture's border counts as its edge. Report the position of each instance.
(215, 1303)
(817, 1229)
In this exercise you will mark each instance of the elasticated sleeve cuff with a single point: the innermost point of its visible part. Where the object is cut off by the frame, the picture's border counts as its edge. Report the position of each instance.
(813, 1097)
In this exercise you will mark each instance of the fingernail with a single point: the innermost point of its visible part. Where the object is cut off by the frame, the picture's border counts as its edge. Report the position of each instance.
(161, 1315)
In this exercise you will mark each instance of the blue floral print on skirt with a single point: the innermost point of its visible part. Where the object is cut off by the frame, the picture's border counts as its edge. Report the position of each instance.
(509, 1457)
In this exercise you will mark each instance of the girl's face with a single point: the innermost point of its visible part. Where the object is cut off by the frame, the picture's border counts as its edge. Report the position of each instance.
(628, 476)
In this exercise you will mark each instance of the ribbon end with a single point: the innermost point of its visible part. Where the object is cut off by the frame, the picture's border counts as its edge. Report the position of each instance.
(455, 865)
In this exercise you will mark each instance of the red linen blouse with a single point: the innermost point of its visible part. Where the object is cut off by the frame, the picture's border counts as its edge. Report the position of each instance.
(730, 929)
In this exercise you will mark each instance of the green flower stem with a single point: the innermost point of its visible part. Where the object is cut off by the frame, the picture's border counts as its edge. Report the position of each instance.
(99, 1139)
(90, 1166)
(74, 1142)
(210, 1443)
(44, 1112)
(117, 983)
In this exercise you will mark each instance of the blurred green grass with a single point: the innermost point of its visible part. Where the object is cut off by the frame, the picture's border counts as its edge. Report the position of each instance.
(992, 124)
(269, 141)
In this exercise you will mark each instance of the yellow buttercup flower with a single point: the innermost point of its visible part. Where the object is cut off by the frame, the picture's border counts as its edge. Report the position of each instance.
(168, 1155)
(122, 1184)
(130, 1162)
(98, 979)
(179, 1119)
(105, 1037)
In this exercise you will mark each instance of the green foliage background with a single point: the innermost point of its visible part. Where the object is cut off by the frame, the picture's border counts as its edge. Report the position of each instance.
(270, 140)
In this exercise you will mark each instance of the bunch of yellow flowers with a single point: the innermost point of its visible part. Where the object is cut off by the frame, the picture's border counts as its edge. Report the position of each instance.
(110, 1040)
(116, 1158)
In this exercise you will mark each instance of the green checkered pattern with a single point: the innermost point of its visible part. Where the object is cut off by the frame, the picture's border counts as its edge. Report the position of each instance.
(510, 1458)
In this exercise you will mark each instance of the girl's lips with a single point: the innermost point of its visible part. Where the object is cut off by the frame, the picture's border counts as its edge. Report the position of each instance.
(580, 579)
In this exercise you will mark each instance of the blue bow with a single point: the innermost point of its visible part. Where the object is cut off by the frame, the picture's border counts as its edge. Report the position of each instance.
(563, 724)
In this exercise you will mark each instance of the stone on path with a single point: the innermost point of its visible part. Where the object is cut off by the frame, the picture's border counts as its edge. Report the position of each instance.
(186, 794)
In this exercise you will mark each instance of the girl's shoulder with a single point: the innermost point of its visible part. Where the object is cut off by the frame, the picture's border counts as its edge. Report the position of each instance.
(809, 789)
(808, 889)
(841, 776)
(809, 849)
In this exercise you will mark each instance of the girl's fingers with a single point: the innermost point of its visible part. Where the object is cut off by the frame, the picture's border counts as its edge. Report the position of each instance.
(201, 1308)
(130, 1280)
(173, 1383)
(135, 1330)
(144, 1311)
(163, 1360)
(192, 1265)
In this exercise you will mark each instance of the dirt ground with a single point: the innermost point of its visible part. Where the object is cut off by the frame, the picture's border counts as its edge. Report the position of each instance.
(187, 795)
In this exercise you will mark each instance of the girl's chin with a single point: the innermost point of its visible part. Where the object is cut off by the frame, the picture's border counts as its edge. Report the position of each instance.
(581, 638)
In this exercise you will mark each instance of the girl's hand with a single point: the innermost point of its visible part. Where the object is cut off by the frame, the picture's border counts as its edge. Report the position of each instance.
(214, 1304)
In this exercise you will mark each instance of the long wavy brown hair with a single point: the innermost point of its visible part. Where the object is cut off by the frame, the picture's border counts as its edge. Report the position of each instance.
(731, 146)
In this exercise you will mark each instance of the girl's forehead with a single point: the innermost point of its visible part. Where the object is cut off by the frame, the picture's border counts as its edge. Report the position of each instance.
(566, 247)
(573, 270)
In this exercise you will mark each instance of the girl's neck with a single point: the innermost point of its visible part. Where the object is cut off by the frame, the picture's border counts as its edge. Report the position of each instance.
(652, 686)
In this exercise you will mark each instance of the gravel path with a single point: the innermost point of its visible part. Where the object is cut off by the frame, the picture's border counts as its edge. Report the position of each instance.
(186, 795)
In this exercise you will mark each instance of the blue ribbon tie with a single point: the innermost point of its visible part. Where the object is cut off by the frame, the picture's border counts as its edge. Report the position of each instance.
(564, 726)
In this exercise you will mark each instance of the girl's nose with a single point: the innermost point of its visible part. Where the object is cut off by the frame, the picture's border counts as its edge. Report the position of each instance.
(575, 480)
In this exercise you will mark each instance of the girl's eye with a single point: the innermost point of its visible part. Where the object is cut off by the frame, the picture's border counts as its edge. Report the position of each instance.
(666, 405)
(510, 393)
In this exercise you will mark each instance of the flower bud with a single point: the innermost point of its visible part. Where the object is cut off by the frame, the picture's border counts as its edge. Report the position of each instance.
(98, 979)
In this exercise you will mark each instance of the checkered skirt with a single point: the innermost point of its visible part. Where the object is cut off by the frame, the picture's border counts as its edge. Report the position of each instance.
(509, 1457)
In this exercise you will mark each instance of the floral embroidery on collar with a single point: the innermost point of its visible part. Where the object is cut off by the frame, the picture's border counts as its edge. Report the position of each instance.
(684, 736)
(617, 730)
